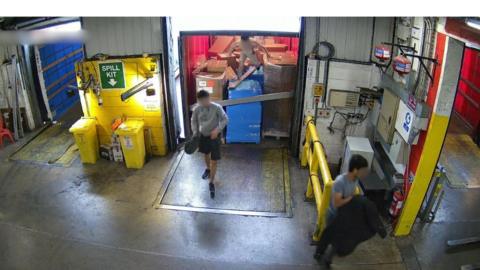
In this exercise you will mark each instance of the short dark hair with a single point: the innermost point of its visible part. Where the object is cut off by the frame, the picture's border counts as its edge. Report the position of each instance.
(244, 37)
(357, 162)
(202, 94)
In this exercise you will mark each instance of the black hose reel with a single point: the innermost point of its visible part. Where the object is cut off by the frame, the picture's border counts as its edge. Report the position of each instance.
(325, 45)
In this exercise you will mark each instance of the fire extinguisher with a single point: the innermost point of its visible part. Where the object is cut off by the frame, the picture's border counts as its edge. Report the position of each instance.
(382, 52)
(402, 65)
(397, 203)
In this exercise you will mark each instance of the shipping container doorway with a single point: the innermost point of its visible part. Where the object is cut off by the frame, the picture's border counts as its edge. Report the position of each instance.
(253, 171)
(461, 149)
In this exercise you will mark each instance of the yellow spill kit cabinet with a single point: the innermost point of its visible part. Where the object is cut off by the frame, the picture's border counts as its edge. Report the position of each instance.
(133, 142)
(102, 96)
(85, 133)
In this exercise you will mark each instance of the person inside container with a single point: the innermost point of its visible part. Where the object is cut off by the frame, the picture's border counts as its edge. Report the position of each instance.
(208, 121)
(247, 51)
(344, 188)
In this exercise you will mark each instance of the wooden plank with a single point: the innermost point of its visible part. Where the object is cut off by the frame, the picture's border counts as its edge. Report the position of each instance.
(26, 99)
(259, 98)
(275, 96)
(41, 79)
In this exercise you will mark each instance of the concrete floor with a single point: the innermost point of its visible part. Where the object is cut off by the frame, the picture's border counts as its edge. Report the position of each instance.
(461, 156)
(458, 217)
(102, 217)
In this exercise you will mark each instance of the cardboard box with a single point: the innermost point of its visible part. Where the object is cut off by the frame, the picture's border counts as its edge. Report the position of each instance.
(230, 58)
(284, 58)
(277, 115)
(200, 64)
(269, 41)
(276, 47)
(280, 78)
(213, 83)
(106, 152)
(220, 45)
(216, 66)
(116, 148)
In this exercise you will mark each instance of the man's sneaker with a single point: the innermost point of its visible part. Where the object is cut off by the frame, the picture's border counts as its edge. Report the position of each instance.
(318, 256)
(206, 174)
(326, 264)
(212, 190)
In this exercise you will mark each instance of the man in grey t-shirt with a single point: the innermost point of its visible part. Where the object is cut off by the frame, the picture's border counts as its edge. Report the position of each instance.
(343, 190)
(208, 121)
(345, 184)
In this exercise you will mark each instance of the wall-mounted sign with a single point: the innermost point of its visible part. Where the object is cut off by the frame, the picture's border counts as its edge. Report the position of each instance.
(317, 89)
(412, 102)
(111, 75)
(405, 122)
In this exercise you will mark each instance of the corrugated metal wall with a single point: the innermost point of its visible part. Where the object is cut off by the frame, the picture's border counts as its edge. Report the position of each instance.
(352, 39)
(57, 65)
(26, 95)
(351, 36)
(123, 36)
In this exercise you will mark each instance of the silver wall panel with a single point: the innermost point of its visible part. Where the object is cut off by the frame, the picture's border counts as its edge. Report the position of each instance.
(123, 36)
(311, 30)
(5, 52)
(351, 36)
(383, 30)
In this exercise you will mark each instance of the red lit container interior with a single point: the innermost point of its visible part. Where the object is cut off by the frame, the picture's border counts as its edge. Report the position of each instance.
(196, 46)
(467, 102)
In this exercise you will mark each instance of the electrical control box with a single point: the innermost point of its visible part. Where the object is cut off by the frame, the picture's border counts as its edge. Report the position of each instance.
(343, 98)
(356, 146)
(387, 117)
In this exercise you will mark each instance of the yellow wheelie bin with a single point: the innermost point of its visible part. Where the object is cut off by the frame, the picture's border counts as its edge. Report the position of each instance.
(133, 143)
(85, 134)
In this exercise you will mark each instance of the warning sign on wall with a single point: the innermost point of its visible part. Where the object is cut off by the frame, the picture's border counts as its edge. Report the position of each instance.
(112, 75)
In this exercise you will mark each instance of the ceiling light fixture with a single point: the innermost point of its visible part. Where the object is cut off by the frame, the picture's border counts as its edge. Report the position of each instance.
(474, 23)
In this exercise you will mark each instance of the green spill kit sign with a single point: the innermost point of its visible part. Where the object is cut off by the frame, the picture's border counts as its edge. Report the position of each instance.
(111, 75)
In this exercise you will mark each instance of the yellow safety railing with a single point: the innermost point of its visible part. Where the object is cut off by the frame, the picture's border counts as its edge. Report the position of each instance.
(320, 180)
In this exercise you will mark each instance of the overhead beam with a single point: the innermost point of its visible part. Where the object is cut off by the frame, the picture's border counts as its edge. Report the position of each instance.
(259, 98)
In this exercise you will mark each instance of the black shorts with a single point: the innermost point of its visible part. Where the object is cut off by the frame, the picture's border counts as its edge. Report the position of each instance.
(209, 146)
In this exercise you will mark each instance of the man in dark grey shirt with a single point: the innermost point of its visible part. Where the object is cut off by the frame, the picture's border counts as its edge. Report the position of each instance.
(344, 187)
(346, 184)
(208, 121)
